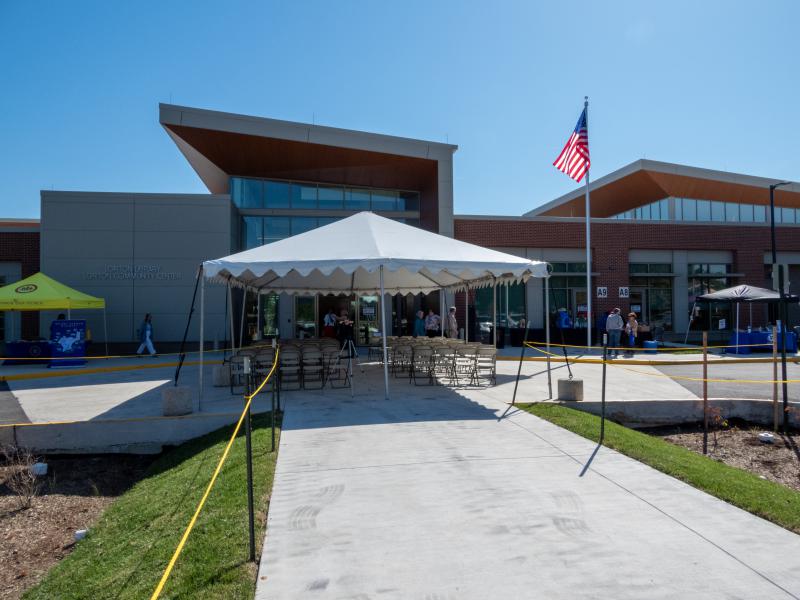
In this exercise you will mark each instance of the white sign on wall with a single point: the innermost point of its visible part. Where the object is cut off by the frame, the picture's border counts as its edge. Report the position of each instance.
(602, 292)
(624, 292)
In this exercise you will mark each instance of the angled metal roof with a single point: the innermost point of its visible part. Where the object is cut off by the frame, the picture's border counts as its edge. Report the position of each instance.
(644, 181)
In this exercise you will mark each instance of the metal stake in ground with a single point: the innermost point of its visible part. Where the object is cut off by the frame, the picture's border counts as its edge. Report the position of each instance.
(521, 358)
(564, 348)
(272, 412)
(705, 392)
(603, 395)
(248, 434)
(774, 379)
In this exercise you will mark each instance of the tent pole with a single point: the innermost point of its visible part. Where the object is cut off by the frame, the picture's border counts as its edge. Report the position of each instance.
(105, 329)
(737, 327)
(466, 315)
(383, 336)
(441, 311)
(691, 318)
(230, 302)
(547, 333)
(241, 321)
(494, 312)
(259, 328)
(202, 325)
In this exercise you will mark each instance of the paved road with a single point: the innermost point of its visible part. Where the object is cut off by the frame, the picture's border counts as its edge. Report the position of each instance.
(432, 496)
(726, 370)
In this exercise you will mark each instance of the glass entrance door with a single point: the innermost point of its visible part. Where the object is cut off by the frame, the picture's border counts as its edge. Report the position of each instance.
(579, 301)
(367, 319)
(305, 317)
(638, 302)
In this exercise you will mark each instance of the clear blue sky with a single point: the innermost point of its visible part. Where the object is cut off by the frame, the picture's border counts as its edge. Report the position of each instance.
(705, 83)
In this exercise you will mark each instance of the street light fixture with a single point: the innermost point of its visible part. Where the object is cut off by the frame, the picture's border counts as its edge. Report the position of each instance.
(781, 303)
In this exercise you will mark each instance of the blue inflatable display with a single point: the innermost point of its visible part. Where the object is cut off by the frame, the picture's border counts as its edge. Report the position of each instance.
(68, 340)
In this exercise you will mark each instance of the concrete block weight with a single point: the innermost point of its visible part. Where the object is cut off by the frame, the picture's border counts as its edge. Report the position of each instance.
(221, 376)
(570, 390)
(176, 401)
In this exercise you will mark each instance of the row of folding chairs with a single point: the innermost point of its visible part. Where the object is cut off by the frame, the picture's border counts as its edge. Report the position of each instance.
(451, 362)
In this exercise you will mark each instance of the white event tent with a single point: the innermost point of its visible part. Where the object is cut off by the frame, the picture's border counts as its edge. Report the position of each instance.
(366, 254)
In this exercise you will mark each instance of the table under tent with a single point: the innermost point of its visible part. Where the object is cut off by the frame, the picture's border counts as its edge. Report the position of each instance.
(743, 342)
(366, 254)
(40, 292)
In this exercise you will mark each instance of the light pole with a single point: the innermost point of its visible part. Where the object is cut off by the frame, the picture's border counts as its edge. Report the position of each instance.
(781, 302)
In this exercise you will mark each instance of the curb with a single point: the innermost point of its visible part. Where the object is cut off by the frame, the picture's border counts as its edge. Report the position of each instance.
(93, 370)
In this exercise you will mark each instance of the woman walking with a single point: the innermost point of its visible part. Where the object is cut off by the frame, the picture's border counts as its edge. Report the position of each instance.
(146, 336)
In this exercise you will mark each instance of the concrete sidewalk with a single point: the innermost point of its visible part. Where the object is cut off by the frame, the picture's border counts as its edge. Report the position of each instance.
(431, 495)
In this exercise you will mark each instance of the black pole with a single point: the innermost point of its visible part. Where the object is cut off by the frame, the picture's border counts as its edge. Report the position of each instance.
(603, 396)
(564, 348)
(783, 332)
(272, 413)
(521, 358)
(182, 355)
(782, 312)
(248, 440)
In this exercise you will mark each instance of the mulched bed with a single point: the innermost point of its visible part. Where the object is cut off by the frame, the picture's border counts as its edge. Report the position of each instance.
(738, 445)
(73, 495)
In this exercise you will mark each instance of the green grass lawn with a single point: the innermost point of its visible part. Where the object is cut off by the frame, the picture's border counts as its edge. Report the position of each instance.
(766, 499)
(126, 552)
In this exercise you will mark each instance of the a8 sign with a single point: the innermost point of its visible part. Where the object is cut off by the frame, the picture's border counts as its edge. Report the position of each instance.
(624, 292)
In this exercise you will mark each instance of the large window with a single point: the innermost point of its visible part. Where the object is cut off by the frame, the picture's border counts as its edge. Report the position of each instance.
(651, 293)
(3, 315)
(510, 307)
(256, 196)
(705, 278)
(257, 231)
(258, 193)
(691, 209)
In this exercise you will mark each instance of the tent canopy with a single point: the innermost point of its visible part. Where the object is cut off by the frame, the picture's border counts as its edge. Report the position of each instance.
(346, 257)
(40, 292)
(745, 293)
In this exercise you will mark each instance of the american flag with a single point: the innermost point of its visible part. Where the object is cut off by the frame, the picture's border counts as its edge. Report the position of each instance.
(574, 158)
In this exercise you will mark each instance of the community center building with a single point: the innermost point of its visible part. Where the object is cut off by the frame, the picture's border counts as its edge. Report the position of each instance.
(662, 234)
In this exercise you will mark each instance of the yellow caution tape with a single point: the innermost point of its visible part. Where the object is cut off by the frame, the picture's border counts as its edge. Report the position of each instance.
(211, 483)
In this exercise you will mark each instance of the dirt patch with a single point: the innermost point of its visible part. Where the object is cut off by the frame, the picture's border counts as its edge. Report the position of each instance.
(738, 446)
(75, 492)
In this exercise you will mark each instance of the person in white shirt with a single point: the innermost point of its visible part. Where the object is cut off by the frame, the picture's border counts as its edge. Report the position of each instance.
(452, 324)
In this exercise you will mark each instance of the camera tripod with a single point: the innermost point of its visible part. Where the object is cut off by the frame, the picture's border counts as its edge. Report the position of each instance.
(349, 347)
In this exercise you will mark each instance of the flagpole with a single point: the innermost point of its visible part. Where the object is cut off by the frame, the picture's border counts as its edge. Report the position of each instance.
(588, 242)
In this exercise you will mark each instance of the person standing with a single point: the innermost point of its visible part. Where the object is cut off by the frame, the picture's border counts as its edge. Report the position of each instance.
(614, 327)
(432, 323)
(146, 336)
(452, 324)
(419, 324)
(632, 330)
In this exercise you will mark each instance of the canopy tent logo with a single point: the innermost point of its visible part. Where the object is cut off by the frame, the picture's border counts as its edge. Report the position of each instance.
(27, 288)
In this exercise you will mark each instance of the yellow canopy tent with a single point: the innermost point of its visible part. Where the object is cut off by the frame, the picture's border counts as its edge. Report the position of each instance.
(40, 292)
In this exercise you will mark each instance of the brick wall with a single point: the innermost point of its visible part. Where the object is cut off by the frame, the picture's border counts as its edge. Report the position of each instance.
(612, 241)
(23, 247)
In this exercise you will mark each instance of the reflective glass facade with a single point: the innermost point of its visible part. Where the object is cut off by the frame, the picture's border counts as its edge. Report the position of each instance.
(255, 197)
(690, 209)
(258, 193)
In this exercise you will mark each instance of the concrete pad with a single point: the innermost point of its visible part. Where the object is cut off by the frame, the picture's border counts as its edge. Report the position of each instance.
(436, 494)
